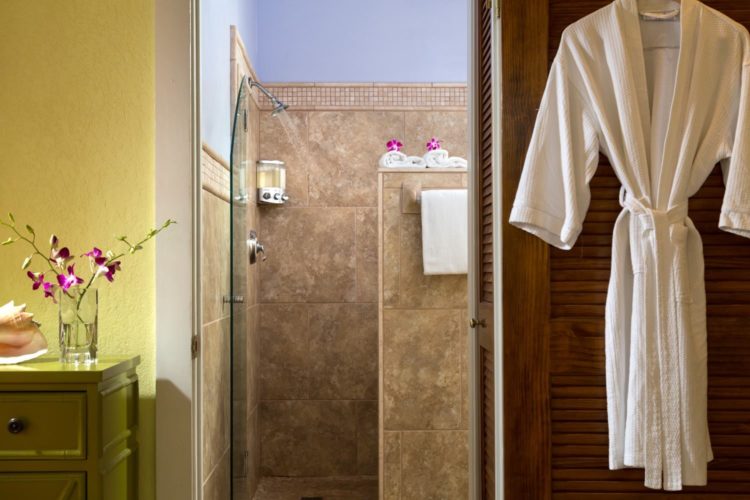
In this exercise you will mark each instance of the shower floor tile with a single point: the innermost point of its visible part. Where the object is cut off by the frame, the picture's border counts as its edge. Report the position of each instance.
(283, 488)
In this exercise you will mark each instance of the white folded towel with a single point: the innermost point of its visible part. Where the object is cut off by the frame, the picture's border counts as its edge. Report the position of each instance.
(397, 159)
(440, 158)
(445, 231)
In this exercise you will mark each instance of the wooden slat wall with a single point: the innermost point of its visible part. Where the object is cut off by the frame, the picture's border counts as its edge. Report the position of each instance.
(485, 278)
(487, 399)
(578, 287)
(484, 147)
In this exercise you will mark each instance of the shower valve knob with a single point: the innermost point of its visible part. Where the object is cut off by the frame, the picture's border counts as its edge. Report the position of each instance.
(254, 248)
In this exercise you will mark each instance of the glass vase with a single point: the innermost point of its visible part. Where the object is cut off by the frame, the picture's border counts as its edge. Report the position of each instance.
(79, 315)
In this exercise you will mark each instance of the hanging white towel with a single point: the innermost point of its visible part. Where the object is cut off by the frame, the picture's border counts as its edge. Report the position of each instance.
(445, 231)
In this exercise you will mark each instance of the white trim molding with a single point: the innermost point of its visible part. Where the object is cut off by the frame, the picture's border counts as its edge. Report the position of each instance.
(176, 257)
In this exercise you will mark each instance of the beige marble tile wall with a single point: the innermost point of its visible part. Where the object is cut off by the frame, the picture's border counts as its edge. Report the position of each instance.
(216, 326)
(215, 350)
(424, 356)
(319, 286)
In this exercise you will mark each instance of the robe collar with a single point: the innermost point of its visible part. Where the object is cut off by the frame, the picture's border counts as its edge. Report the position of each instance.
(658, 195)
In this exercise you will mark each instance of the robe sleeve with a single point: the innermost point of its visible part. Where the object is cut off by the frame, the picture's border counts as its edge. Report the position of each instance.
(553, 194)
(735, 209)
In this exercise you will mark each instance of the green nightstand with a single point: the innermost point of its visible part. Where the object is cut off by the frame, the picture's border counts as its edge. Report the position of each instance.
(67, 432)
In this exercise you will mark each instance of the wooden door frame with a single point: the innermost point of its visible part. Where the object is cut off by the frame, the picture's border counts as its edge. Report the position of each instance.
(525, 260)
(473, 299)
(492, 317)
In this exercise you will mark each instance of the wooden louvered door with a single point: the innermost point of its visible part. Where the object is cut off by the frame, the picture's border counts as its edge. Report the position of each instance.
(555, 403)
(484, 272)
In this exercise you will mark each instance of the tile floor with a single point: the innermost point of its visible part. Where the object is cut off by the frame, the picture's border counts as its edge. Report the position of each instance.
(282, 488)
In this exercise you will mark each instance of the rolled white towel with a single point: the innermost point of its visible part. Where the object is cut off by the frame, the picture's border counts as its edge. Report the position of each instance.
(397, 159)
(440, 158)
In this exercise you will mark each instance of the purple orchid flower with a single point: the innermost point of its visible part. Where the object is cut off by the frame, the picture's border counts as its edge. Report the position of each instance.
(109, 270)
(97, 256)
(68, 280)
(394, 145)
(37, 278)
(433, 145)
(60, 257)
(49, 291)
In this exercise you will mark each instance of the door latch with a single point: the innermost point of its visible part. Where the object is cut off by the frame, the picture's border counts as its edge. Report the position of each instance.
(477, 322)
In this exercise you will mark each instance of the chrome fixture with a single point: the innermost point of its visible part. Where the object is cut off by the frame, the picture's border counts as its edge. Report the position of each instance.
(278, 106)
(254, 248)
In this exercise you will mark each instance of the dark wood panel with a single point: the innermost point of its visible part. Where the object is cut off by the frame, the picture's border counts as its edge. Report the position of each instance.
(525, 263)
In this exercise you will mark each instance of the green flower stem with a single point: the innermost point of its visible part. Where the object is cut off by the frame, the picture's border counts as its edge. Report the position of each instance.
(31, 242)
(131, 249)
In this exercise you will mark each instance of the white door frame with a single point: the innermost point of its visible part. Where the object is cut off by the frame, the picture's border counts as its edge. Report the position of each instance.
(177, 257)
(497, 244)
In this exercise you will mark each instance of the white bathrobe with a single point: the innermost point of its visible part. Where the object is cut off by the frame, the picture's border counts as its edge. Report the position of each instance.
(664, 101)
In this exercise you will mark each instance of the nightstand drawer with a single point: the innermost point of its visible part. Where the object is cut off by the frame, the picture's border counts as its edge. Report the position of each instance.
(43, 485)
(42, 425)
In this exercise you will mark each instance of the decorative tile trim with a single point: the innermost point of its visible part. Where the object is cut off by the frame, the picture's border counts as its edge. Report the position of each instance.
(371, 96)
(214, 173)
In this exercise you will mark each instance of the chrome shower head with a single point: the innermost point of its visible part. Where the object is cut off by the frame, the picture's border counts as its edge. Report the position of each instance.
(278, 106)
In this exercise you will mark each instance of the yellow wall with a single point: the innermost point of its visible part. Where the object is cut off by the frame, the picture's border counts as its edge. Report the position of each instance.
(77, 158)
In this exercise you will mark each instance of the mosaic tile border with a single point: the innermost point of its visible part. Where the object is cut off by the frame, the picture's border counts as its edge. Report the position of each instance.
(214, 173)
(371, 96)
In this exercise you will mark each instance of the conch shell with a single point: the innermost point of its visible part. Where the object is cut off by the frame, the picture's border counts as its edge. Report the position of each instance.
(20, 338)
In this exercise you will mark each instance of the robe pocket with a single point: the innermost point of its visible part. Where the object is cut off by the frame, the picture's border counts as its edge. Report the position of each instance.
(678, 234)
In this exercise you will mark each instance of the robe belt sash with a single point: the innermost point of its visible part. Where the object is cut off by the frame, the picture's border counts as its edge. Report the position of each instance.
(658, 249)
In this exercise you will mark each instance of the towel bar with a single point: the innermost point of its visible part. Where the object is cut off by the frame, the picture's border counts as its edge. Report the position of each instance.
(411, 196)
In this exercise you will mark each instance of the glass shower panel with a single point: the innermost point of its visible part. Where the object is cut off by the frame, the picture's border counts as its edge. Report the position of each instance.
(239, 172)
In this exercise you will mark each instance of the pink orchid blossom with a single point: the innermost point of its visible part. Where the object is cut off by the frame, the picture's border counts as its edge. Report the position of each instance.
(60, 257)
(49, 291)
(108, 270)
(97, 256)
(37, 278)
(68, 280)
(46, 286)
(433, 145)
(394, 145)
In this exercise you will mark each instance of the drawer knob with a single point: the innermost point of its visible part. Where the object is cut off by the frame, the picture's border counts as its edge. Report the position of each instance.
(15, 425)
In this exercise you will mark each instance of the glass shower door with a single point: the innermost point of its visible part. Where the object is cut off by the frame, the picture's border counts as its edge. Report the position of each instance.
(239, 200)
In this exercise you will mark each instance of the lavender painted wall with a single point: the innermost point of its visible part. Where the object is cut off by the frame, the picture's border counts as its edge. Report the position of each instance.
(216, 18)
(362, 40)
(328, 41)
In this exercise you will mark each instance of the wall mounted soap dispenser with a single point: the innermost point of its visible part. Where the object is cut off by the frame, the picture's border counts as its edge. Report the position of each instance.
(271, 178)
